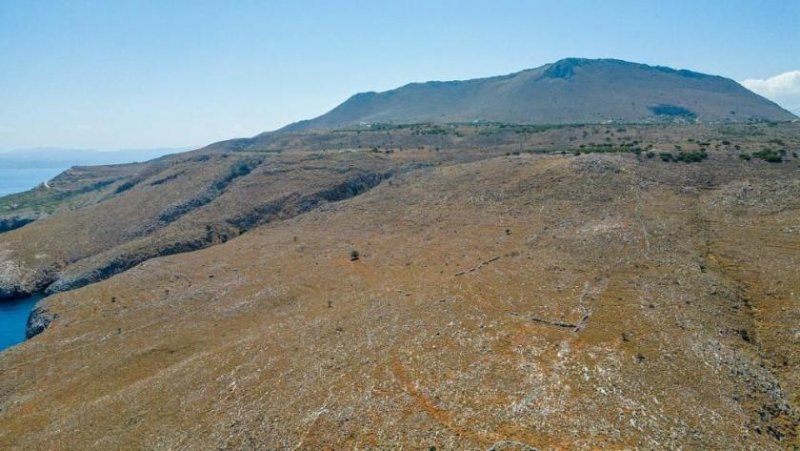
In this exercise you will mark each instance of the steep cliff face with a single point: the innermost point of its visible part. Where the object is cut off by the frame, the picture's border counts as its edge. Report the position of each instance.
(38, 321)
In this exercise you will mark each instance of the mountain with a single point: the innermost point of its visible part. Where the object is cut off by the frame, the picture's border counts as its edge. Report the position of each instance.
(436, 286)
(571, 90)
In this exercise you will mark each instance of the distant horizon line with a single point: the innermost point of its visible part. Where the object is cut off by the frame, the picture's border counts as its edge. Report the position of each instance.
(96, 150)
(793, 109)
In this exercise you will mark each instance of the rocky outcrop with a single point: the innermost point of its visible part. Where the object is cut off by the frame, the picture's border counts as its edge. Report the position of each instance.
(239, 169)
(116, 262)
(39, 319)
(16, 280)
(10, 275)
(293, 205)
(282, 208)
(14, 222)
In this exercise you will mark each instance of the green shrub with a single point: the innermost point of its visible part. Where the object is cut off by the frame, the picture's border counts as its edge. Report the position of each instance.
(769, 156)
(692, 157)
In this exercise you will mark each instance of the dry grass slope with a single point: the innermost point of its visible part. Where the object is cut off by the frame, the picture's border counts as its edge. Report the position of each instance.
(605, 300)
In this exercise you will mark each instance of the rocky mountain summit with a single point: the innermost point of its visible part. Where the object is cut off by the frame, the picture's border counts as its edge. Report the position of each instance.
(572, 90)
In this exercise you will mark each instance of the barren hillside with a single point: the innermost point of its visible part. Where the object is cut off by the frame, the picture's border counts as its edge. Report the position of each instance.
(517, 288)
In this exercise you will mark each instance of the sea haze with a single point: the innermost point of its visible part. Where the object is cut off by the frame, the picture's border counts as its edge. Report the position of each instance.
(18, 177)
(21, 170)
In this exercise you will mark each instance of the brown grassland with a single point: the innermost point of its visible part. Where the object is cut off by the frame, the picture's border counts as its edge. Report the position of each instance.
(515, 288)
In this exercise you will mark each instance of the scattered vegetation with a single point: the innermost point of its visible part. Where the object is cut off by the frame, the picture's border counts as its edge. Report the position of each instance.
(672, 111)
(531, 193)
(694, 156)
(769, 155)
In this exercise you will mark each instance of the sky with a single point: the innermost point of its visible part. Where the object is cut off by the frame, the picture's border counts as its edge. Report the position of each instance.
(115, 74)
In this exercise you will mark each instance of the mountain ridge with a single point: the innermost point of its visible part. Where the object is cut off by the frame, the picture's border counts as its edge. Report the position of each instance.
(571, 90)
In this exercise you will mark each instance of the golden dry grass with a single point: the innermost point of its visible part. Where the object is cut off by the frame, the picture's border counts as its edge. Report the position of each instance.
(682, 278)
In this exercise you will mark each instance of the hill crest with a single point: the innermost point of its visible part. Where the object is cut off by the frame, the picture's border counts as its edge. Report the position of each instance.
(571, 90)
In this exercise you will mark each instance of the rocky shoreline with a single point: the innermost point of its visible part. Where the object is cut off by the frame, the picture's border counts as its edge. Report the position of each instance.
(38, 320)
(20, 321)
(15, 222)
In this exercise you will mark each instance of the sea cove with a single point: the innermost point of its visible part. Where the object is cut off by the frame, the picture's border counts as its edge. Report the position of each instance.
(13, 318)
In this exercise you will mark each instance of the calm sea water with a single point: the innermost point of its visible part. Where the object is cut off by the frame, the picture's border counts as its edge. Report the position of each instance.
(21, 170)
(13, 319)
(14, 313)
(18, 176)
(17, 179)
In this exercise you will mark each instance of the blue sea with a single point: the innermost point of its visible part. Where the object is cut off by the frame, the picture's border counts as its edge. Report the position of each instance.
(24, 177)
(13, 319)
(14, 313)
(21, 171)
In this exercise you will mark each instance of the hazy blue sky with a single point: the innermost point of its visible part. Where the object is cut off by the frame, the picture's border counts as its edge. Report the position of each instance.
(116, 74)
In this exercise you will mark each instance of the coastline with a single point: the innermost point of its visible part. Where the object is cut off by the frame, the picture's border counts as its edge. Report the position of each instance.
(15, 319)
